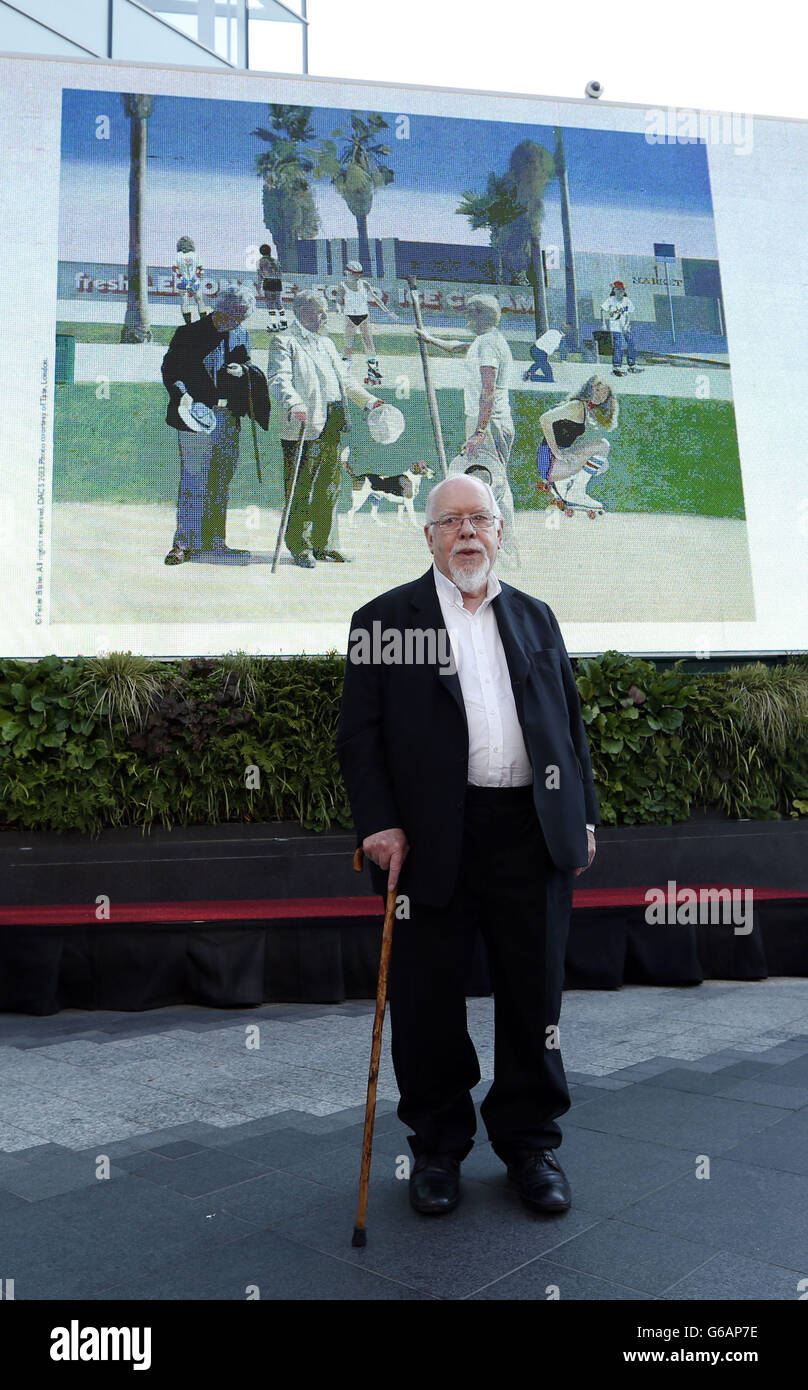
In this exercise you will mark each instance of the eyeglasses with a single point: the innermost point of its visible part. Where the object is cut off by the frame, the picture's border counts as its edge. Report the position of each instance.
(481, 521)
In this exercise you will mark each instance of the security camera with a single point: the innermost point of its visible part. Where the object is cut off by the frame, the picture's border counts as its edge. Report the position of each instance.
(593, 90)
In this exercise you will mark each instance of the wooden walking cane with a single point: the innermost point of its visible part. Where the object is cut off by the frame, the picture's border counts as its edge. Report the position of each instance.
(359, 1234)
(254, 430)
(431, 398)
(288, 505)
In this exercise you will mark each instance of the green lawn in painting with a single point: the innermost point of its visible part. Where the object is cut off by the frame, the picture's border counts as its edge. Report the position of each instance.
(668, 455)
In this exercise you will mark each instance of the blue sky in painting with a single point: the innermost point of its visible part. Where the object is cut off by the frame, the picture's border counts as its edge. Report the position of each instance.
(624, 192)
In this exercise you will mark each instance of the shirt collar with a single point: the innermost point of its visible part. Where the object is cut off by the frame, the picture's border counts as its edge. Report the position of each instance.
(306, 333)
(452, 594)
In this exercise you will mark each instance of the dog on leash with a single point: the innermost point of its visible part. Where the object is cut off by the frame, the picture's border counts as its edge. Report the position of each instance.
(402, 489)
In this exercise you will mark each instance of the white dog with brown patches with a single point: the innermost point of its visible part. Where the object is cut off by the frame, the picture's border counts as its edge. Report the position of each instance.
(402, 489)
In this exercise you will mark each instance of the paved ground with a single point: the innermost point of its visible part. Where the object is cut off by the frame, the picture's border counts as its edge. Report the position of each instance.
(164, 1156)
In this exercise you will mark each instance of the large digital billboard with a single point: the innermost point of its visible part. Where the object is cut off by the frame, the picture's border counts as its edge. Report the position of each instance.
(210, 281)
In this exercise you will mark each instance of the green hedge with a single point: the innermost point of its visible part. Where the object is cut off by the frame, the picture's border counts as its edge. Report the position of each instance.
(122, 741)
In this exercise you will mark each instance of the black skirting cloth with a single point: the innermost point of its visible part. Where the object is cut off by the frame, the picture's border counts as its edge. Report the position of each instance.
(243, 964)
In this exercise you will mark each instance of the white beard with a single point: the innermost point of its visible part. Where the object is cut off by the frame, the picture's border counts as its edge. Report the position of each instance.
(470, 581)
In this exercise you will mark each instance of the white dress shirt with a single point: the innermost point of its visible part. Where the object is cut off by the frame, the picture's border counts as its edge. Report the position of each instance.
(498, 756)
(497, 753)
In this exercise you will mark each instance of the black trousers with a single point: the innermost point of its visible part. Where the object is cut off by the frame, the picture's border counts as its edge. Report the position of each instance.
(511, 892)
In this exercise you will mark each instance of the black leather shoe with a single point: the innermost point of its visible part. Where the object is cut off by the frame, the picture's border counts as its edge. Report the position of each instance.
(541, 1180)
(435, 1184)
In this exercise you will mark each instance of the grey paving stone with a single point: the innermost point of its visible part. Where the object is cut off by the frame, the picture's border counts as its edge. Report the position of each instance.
(178, 1148)
(680, 1079)
(9, 1201)
(338, 1169)
(761, 1213)
(580, 1095)
(208, 1171)
(632, 1255)
(224, 1136)
(144, 1163)
(280, 1269)
(640, 1069)
(765, 1091)
(10, 1164)
(736, 1277)
(91, 1037)
(146, 1222)
(274, 1197)
(489, 1234)
(540, 1279)
(761, 1066)
(285, 1148)
(608, 1083)
(48, 1174)
(678, 1119)
(793, 1072)
(784, 1147)
(50, 1258)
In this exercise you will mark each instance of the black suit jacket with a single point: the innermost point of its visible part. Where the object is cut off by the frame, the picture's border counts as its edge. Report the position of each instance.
(402, 739)
(185, 362)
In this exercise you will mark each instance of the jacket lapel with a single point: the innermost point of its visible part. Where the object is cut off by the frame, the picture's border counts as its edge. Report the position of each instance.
(425, 600)
(510, 622)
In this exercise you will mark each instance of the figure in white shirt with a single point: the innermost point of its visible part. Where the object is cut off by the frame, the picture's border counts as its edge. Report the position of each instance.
(189, 272)
(490, 429)
(356, 295)
(541, 352)
(616, 312)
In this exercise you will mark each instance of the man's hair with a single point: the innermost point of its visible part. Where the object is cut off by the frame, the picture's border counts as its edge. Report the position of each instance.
(433, 501)
(305, 297)
(486, 307)
(235, 297)
(265, 250)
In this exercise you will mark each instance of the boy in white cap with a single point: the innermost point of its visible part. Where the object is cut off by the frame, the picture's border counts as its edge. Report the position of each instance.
(617, 311)
(355, 295)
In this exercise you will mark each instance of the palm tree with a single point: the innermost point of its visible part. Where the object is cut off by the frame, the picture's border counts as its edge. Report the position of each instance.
(136, 327)
(358, 170)
(289, 210)
(531, 168)
(495, 208)
(574, 329)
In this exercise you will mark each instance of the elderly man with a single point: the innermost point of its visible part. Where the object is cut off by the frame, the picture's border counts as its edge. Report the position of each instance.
(471, 789)
(311, 382)
(486, 401)
(205, 373)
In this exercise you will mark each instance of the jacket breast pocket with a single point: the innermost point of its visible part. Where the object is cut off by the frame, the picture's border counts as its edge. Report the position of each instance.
(544, 655)
(544, 670)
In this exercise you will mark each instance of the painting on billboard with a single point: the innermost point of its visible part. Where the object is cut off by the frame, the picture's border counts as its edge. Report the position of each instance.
(279, 325)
